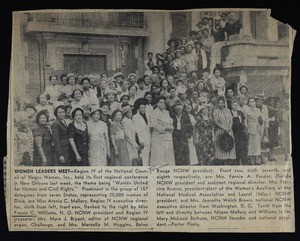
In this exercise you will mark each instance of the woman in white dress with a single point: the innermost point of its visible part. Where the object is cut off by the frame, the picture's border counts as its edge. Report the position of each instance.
(192, 149)
(99, 148)
(253, 128)
(132, 146)
(162, 151)
(53, 90)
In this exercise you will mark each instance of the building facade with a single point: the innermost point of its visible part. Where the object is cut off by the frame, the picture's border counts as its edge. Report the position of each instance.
(52, 43)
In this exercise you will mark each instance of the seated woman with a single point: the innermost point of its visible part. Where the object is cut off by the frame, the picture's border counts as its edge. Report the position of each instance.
(79, 139)
(42, 151)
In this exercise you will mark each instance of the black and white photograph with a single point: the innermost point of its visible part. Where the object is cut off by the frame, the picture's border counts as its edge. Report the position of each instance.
(151, 88)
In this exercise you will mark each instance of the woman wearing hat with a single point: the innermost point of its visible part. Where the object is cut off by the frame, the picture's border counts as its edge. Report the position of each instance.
(253, 128)
(130, 133)
(23, 142)
(99, 147)
(43, 150)
(224, 144)
(111, 97)
(60, 138)
(71, 80)
(79, 139)
(162, 150)
(204, 136)
(117, 134)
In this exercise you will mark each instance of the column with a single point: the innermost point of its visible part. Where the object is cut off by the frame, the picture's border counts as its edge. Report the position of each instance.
(246, 31)
(195, 18)
(272, 30)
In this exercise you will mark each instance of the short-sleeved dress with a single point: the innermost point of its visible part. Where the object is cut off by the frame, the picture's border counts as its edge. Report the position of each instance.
(44, 132)
(81, 139)
(98, 139)
(118, 132)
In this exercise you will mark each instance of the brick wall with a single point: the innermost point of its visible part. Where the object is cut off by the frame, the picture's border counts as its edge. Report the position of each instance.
(269, 85)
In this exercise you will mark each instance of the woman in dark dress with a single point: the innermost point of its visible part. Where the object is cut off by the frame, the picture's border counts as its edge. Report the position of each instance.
(240, 134)
(104, 116)
(42, 148)
(60, 138)
(78, 138)
(204, 136)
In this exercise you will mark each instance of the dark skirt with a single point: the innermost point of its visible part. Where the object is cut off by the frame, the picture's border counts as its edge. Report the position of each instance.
(181, 148)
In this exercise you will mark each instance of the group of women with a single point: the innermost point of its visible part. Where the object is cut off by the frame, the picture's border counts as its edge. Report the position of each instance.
(172, 124)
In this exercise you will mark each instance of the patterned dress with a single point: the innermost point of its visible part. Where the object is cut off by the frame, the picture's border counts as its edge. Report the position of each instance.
(23, 147)
(204, 140)
(118, 132)
(223, 118)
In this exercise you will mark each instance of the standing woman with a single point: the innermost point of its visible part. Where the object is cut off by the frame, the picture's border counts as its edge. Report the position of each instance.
(79, 139)
(141, 124)
(99, 148)
(224, 134)
(239, 132)
(204, 136)
(285, 129)
(193, 154)
(218, 82)
(53, 90)
(117, 134)
(162, 151)
(104, 116)
(132, 90)
(60, 138)
(111, 97)
(43, 150)
(129, 129)
(149, 107)
(77, 96)
(253, 128)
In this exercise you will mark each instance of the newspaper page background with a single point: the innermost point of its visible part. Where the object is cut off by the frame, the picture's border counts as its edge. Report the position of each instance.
(211, 197)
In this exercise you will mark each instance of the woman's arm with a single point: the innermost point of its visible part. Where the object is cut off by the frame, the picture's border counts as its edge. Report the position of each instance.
(78, 158)
(38, 141)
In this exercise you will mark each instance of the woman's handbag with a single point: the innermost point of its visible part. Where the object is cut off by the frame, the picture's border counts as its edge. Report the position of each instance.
(137, 161)
(225, 142)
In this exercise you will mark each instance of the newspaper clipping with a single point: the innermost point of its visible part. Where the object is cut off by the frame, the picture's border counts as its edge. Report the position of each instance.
(138, 120)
